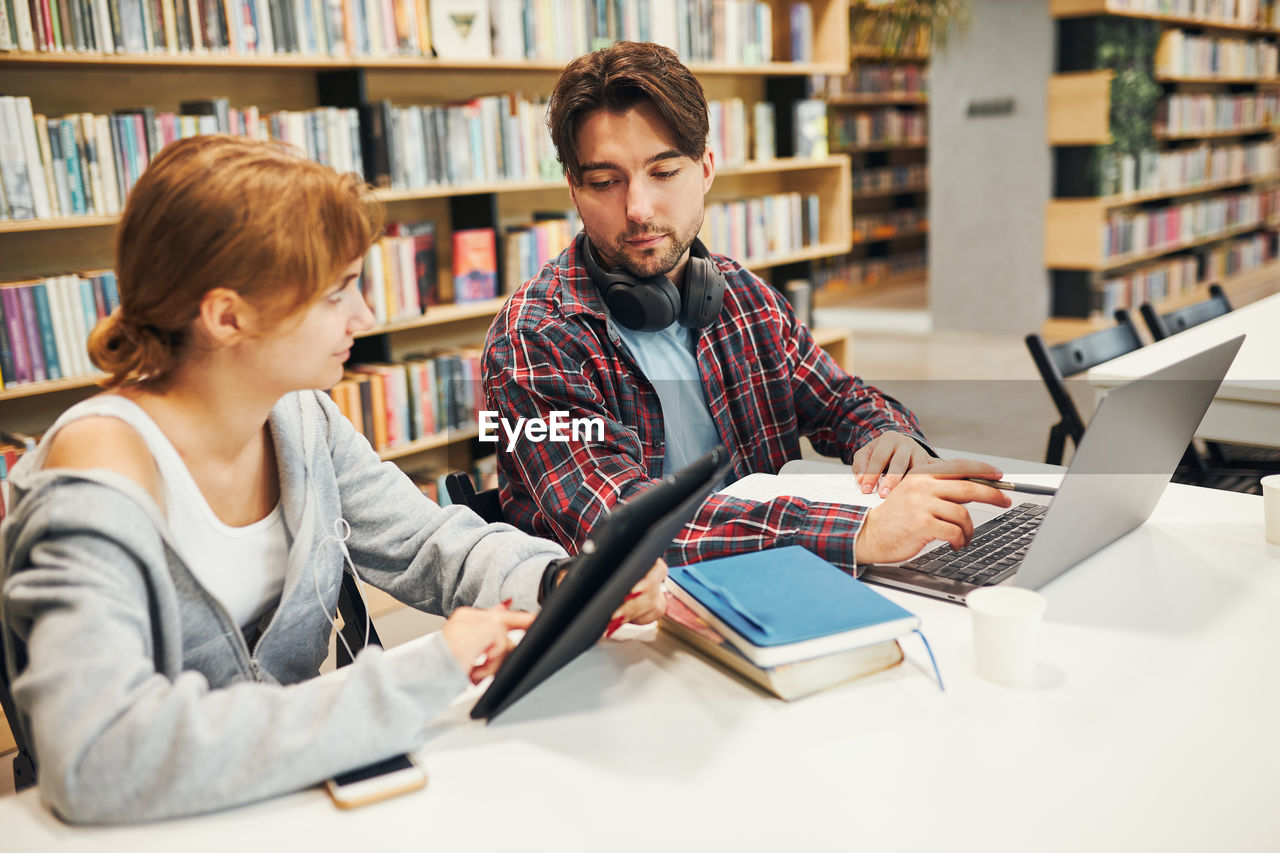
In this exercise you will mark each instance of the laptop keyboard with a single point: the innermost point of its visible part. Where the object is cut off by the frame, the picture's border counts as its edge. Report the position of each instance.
(994, 553)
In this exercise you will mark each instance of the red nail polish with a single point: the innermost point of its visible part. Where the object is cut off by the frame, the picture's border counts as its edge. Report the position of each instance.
(507, 602)
(613, 626)
(632, 595)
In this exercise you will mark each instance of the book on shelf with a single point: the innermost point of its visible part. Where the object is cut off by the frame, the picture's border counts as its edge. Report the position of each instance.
(786, 681)
(527, 247)
(45, 324)
(475, 265)
(763, 126)
(810, 127)
(784, 605)
(460, 29)
(801, 32)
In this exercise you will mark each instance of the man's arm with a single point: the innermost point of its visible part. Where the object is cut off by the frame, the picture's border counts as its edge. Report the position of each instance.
(839, 413)
(562, 488)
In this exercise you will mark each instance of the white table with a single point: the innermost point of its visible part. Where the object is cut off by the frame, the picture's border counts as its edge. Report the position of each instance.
(1156, 726)
(1246, 408)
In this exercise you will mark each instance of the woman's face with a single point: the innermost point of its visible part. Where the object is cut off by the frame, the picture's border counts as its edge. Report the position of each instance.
(309, 348)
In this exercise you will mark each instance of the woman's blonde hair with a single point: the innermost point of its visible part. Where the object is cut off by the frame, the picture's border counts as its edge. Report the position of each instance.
(224, 211)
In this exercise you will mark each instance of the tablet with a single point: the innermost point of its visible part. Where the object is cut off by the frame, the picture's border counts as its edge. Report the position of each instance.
(619, 552)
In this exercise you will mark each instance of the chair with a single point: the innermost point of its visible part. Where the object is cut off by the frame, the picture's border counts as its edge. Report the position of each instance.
(355, 616)
(484, 504)
(1241, 459)
(24, 763)
(1162, 326)
(1058, 362)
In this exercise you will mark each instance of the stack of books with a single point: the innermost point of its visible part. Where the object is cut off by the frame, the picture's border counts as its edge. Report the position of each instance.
(785, 619)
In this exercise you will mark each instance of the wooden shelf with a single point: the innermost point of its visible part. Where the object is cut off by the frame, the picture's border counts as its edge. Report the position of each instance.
(1258, 81)
(753, 167)
(876, 51)
(870, 99)
(878, 192)
(1104, 203)
(1079, 108)
(1080, 8)
(836, 297)
(439, 315)
(444, 439)
(898, 235)
(808, 253)
(883, 146)
(1216, 134)
(19, 226)
(32, 389)
(838, 344)
(1073, 241)
(1241, 289)
(384, 63)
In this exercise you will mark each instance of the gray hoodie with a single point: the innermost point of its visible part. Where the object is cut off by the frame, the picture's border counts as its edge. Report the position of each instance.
(142, 699)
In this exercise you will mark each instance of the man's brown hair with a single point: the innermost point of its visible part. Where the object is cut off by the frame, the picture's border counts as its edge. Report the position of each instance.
(616, 78)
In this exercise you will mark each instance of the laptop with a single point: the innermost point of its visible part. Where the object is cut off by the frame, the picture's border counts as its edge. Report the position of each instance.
(1129, 451)
(619, 552)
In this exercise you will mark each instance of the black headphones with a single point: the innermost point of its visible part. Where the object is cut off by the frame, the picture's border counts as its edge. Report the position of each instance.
(650, 304)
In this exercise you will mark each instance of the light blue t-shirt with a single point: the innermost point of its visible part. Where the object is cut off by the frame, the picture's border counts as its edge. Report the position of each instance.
(666, 357)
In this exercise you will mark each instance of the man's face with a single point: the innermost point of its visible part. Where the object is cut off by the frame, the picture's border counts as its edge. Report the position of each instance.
(641, 200)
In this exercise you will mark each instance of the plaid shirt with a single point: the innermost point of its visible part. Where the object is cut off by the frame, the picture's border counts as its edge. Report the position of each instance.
(553, 347)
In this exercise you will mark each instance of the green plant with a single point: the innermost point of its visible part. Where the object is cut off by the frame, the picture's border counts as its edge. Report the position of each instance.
(909, 26)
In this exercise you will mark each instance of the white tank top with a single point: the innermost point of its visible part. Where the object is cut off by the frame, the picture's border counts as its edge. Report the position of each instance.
(242, 567)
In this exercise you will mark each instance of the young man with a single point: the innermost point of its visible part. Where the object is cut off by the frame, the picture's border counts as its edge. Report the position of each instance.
(675, 350)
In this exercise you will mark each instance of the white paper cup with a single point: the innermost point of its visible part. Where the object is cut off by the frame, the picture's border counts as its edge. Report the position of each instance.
(1006, 620)
(1271, 506)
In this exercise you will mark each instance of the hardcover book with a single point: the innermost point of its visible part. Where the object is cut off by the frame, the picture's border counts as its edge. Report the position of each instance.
(475, 265)
(785, 605)
(786, 681)
(810, 117)
(460, 29)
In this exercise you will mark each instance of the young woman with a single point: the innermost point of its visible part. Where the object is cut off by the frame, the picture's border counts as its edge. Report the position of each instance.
(175, 546)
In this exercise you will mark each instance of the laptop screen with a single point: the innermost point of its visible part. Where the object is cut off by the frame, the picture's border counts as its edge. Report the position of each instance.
(620, 551)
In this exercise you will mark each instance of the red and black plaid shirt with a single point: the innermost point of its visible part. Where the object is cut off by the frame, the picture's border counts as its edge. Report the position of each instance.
(553, 347)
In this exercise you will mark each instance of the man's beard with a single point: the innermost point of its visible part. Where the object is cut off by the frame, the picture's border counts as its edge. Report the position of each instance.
(651, 266)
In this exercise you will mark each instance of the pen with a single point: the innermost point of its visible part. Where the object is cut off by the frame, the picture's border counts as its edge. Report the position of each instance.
(1005, 485)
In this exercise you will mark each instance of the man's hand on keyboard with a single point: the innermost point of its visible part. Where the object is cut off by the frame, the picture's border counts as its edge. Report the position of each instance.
(927, 505)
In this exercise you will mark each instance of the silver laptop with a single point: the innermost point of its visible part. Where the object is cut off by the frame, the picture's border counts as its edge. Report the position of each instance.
(1129, 451)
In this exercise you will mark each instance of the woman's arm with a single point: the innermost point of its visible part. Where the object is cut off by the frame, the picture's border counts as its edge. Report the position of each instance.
(432, 558)
(122, 733)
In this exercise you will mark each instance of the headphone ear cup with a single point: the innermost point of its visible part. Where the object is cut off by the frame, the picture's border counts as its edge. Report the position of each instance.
(703, 290)
(644, 306)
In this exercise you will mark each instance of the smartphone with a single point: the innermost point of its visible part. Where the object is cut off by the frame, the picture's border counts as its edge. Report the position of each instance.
(374, 782)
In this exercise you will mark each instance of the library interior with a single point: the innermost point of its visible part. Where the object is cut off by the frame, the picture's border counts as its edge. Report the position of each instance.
(997, 212)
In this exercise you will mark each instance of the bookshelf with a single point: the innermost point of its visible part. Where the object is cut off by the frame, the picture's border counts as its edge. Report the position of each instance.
(1166, 162)
(877, 113)
(68, 82)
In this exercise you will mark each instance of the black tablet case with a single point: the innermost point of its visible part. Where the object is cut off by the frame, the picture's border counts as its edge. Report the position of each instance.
(619, 552)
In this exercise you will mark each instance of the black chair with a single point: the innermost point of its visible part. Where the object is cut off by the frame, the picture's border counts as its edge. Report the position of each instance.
(1058, 362)
(1242, 459)
(24, 763)
(355, 617)
(1162, 326)
(484, 504)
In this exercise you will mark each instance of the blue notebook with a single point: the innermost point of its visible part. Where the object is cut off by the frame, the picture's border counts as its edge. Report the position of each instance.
(787, 604)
